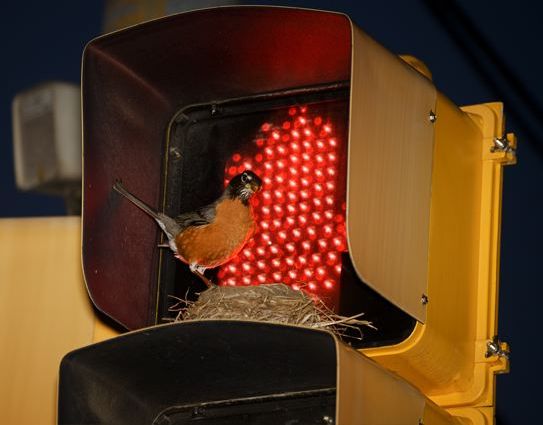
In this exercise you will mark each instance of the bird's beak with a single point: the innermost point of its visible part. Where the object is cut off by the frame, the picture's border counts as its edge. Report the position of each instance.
(255, 187)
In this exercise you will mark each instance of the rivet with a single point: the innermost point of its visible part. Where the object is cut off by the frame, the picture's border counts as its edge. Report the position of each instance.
(432, 117)
(424, 299)
(175, 153)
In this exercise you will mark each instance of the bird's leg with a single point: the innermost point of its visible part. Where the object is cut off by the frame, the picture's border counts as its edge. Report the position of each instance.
(199, 270)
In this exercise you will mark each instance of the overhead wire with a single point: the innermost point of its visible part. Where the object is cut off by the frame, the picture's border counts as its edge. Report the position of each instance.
(492, 69)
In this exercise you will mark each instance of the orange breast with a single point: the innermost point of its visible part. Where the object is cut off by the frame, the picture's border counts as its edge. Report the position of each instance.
(216, 243)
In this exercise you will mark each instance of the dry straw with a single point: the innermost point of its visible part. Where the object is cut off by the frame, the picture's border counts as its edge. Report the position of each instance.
(276, 303)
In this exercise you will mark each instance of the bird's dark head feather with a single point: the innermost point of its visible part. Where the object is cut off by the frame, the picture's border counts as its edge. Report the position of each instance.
(243, 186)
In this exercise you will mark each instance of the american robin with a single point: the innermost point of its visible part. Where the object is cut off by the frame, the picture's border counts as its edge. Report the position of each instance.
(213, 234)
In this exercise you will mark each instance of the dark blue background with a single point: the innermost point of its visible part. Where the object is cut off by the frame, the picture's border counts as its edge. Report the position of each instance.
(44, 40)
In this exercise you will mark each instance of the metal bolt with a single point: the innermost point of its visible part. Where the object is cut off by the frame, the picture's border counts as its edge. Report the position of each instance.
(214, 109)
(327, 420)
(432, 117)
(175, 153)
(501, 144)
(424, 299)
(493, 348)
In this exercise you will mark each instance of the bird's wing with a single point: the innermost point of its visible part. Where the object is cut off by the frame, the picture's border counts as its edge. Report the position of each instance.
(200, 217)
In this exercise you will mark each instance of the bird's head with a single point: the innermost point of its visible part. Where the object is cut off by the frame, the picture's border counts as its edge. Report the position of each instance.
(243, 186)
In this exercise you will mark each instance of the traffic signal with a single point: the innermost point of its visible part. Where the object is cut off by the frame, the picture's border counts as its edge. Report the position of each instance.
(47, 141)
(211, 372)
(380, 195)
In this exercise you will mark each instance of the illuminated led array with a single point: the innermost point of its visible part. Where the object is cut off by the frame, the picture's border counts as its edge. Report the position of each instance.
(300, 213)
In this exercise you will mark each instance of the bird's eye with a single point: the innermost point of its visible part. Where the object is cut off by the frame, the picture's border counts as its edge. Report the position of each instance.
(244, 178)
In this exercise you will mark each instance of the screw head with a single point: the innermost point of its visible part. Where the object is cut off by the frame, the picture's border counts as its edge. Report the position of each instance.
(424, 299)
(432, 117)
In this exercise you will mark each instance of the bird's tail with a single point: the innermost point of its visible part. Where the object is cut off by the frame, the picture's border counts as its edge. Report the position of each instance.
(118, 186)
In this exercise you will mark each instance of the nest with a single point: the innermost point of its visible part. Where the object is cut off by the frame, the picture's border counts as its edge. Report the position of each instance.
(276, 303)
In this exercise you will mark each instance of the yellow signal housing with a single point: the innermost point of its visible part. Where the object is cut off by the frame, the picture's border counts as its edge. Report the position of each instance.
(456, 288)
(423, 216)
(461, 322)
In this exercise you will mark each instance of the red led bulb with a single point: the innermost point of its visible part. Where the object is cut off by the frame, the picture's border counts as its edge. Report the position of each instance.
(300, 215)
